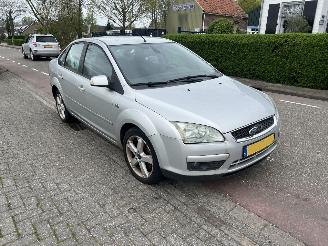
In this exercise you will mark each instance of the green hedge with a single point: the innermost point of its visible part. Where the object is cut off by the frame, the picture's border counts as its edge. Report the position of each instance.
(17, 37)
(17, 42)
(9, 41)
(292, 59)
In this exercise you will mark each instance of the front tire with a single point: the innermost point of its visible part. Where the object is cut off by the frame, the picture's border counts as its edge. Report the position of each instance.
(64, 115)
(141, 157)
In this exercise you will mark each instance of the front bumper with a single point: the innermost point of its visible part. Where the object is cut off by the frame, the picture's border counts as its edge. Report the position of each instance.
(173, 154)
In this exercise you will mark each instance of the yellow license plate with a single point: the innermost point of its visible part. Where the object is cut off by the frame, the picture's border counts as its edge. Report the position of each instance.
(47, 46)
(254, 148)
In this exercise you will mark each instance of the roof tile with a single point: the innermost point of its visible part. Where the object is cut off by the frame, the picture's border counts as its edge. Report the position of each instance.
(222, 7)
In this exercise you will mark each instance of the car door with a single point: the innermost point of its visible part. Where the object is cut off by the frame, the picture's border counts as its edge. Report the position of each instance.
(101, 102)
(26, 45)
(70, 79)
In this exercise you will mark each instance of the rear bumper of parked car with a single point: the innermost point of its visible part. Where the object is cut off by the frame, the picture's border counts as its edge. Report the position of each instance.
(178, 159)
(48, 52)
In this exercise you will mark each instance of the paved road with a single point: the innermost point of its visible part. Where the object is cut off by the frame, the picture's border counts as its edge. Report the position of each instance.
(289, 188)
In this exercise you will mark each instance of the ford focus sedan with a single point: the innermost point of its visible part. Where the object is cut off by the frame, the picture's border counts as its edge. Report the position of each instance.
(171, 112)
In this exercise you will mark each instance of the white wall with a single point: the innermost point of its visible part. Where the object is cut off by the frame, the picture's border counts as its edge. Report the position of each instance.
(322, 5)
(322, 9)
(264, 13)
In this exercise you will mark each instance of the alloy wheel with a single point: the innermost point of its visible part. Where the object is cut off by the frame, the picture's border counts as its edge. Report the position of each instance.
(139, 156)
(60, 106)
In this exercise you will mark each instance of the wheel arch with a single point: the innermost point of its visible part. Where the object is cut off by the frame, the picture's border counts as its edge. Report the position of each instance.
(134, 118)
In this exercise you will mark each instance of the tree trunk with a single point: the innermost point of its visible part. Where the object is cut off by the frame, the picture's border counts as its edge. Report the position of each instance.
(79, 33)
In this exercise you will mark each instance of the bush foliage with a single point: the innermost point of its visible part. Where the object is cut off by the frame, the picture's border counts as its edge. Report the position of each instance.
(17, 42)
(292, 59)
(221, 26)
(297, 24)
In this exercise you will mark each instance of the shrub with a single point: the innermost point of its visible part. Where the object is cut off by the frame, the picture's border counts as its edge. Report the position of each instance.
(18, 42)
(9, 41)
(297, 23)
(20, 37)
(221, 26)
(293, 59)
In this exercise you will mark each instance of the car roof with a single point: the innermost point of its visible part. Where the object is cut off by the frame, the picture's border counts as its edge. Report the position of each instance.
(50, 35)
(119, 40)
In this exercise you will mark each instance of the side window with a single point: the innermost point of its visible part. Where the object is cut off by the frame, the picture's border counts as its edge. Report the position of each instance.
(96, 63)
(61, 58)
(73, 57)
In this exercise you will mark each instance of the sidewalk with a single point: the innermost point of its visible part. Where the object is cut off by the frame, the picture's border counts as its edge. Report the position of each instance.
(10, 46)
(60, 185)
(286, 89)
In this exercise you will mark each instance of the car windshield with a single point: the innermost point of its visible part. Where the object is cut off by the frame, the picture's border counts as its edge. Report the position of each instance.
(159, 63)
(46, 39)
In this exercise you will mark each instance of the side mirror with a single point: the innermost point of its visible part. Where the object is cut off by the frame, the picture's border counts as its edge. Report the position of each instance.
(99, 81)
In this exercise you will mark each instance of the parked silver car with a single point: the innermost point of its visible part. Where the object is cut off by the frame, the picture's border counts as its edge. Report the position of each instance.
(40, 45)
(171, 112)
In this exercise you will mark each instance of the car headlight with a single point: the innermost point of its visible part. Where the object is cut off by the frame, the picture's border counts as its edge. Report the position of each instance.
(194, 133)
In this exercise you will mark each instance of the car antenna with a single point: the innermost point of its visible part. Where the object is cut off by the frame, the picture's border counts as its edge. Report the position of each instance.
(142, 37)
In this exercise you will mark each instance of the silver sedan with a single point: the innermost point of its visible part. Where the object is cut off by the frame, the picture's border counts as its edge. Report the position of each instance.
(171, 112)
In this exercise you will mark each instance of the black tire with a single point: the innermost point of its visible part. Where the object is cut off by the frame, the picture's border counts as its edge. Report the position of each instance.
(33, 57)
(156, 175)
(63, 113)
(24, 55)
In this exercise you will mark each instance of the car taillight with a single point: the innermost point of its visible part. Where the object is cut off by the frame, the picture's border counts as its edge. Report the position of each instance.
(35, 44)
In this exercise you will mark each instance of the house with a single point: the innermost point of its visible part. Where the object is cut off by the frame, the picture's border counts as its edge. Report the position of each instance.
(196, 15)
(254, 21)
(275, 12)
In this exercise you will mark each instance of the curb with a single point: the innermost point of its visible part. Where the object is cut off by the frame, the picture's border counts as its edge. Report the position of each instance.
(286, 89)
(10, 46)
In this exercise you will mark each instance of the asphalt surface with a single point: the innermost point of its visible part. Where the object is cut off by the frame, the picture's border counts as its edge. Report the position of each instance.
(289, 188)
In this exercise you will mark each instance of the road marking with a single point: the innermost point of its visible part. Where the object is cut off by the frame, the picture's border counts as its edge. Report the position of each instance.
(47, 74)
(35, 70)
(8, 59)
(18, 63)
(301, 104)
(13, 61)
(24, 65)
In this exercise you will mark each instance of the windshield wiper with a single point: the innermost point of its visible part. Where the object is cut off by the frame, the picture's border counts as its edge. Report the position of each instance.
(151, 84)
(194, 78)
(188, 79)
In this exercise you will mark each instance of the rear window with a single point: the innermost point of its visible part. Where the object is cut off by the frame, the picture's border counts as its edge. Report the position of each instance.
(46, 39)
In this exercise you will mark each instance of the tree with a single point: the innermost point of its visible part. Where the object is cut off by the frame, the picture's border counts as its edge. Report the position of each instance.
(249, 5)
(221, 26)
(44, 11)
(10, 10)
(157, 11)
(122, 13)
(90, 20)
(297, 23)
(27, 20)
(62, 18)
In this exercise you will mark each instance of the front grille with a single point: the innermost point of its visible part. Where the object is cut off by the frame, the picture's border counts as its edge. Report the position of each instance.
(253, 129)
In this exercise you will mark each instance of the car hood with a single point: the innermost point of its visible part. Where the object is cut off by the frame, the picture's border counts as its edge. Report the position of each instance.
(222, 103)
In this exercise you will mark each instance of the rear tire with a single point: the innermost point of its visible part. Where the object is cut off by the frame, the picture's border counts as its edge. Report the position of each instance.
(63, 113)
(24, 55)
(141, 157)
(33, 57)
